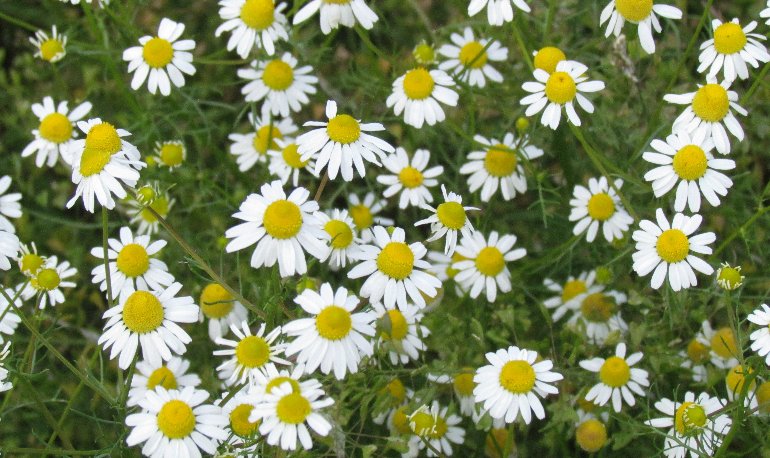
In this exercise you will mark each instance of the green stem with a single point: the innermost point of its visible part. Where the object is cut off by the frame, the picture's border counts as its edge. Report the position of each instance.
(520, 42)
(45, 412)
(755, 85)
(761, 211)
(372, 47)
(19, 22)
(65, 413)
(105, 230)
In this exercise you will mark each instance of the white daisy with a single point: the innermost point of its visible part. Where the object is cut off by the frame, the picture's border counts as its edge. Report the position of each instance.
(171, 153)
(731, 49)
(9, 320)
(590, 431)
(259, 23)
(617, 379)
(547, 57)
(176, 423)
(100, 162)
(365, 213)
(340, 233)
(417, 93)
(483, 268)
(729, 277)
(668, 249)
(570, 295)
(55, 133)
(221, 309)
(29, 260)
(599, 316)
(695, 358)
(708, 109)
(400, 333)
(51, 49)
(498, 11)
(5, 383)
(140, 213)
(283, 87)
(721, 345)
(48, 281)
(282, 227)
(468, 59)
(342, 143)
(251, 353)
(435, 426)
(410, 177)
(254, 147)
(148, 319)
(642, 13)
(237, 410)
(689, 162)
(9, 248)
(498, 165)
(334, 338)
(9, 205)
(694, 427)
(441, 265)
(448, 218)
(599, 205)
(559, 89)
(394, 269)
(270, 377)
(171, 375)
(510, 386)
(287, 163)
(337, 12)
(760, 339)
(162, 57)
(132, 265)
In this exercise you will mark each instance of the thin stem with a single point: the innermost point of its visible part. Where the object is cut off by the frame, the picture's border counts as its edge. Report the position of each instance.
(106, 257)
(740, 230)
(45, 412)
(19, 22)
(65, 413)
(755, 85)
(520, 42)
(321, 186)
(372, 47)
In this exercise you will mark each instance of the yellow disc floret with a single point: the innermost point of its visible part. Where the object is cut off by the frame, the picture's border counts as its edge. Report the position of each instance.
(252, 351)
(615, 372)
(293, 409)
(723, 343)
(239, 421)
(258, 14)
(362, 216)
(278, 381)
(500, 161)
(517, 377)
(171, 154)
(341, 234)
(490, 261)
(463, 383)
(278, 75)
(176, 419)
(292, 157)
(51, 48)
(737, 377)
(729, 38)
(46, 280)
(591, 435)
(162, 376)
(216, 302)
(547, 58)
(560, 88)
(601, 206)
(394, 326)
(103, 137)
(697, 352)
(572, 288)
(711, 103)
(333, 323)
(452, 215)
(689, 418)
(133, 260)
(472, 55)
(598, 307)
(283, 219)
(410, 177)
(30, 263)
(396, 260)
(396, 391)
(418, 84)
(142, 312)
(690, 162)
(264, 139)
(673, 246)
(157, 52)
(343, 129)
(634, 10)
(55, 128)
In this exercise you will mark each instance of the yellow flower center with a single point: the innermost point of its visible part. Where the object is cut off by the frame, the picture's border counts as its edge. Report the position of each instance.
(362, 216)
(50, 49)
(697, 352)
(572, 288)
(333, 323)
(172, 154)
(157, 52)
(463, 383)
(729, 38)
(401, 421)
(424, 53)
(711, 103)
(292, 157)
(473, 55)
(418, 84)
(500, 161)
(673, 246)
(142, 312)
(634, 10)
(264, 139)
(591, 435)
(93, 161)
(133, 260)
(452, 215)
(293, 409)
(547, 58)
(56, 128)
(601, 206)
(729, 278)
(737, 377)
(690, 163)
(258, 14)
(410, 177)
(340, 233)
(517, 376)
(689, 418)
(598, 307)
(586, 405)
(763, 398)
(176, 419)
(145, 194)
(396, 390)
(215, 301)
(278, 75)
(30, 263)
(47, 280)
(343, 129)
(394, 325)
(396, 260)
(239, 421)
(252, 351)
(160, 205)
(723, 343)
(560, 88)
(162, 376)
(423, 424)
(282, 219)
(278, 381)
(104, 137)
(490, 261)
(615, 372)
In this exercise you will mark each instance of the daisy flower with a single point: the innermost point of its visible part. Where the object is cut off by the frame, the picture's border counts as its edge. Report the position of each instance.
(760, 339)
(498, 11)
(599, 316)
(336, 13)
(341, 143)
(394, 269)
(283, 87)
(48, 281)
(9, 320)
(334, 338)
(688, 161)
(171, 376)
(132, 265)
(287, 163)
(162, 58)
(259, 23)
(468, 58)
(441, 265)
(512, 383)
(55, 134)
(693, 426)
(722, 347)
(365, 213)
(9, 248)
(618, 380)
(695, 357)
(221, 309)
(708, 113)
(729, 277)
(9, 205)
(483, 268)
(254, 147)
(170, 153)
(148, 319)
(283, 228)
(140, 213)
(599, 205)
(570, 295)
(447, 219)
(176, 423)
(424, 53)
(668, 249)
(51, 49)
(559, 89)
(270, 377)
(498, 166)
(249, 354)
(237, 410)
(100, 162)
(417, 92)
(400, 333)
(463, 386)
(410, 177)
(435, 426)
(731, 49)
(28, 260)
(590, 432)
(642, 13)
(547, 57)
(340, 234)
(283, 412)
(5, 383)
